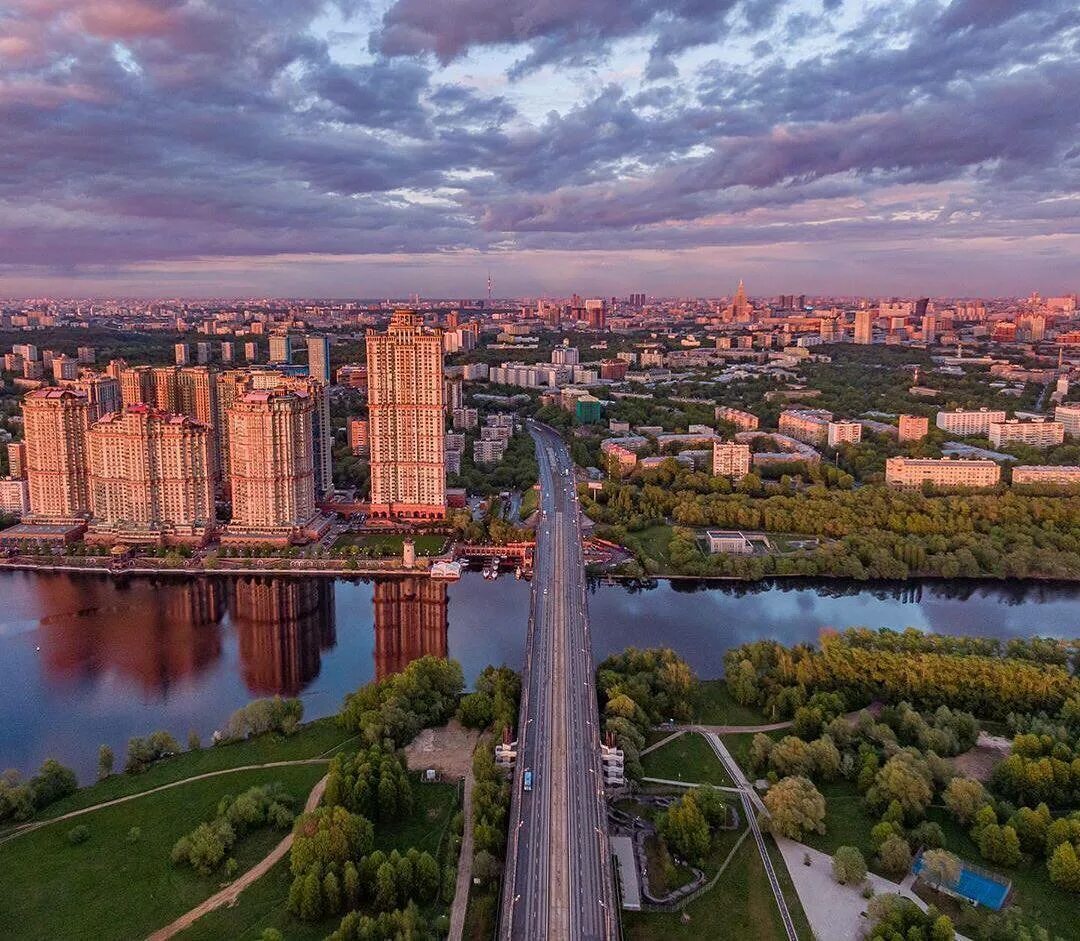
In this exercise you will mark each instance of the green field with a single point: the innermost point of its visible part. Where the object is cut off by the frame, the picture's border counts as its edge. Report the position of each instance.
(739, 745)
(687, 758)
(319, 738)
(652, 544)
(530, 499)
(389, 544)
(740, 907)
(716, 707)
(109, 887)
(263, 904)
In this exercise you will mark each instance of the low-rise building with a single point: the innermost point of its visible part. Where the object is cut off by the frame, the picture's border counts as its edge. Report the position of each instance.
(1069, 416)
(1047, 475)
(728, 542)
(843, 432)
(907, 472)
(744, 421)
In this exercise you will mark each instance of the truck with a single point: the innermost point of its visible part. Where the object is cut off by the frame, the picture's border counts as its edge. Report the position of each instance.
(527, 785)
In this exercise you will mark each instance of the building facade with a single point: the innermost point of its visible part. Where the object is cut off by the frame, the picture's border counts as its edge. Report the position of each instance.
(969, 422)
(730, 459)
(1037, 433)
(913, 427)
(55, 422)
(405, 419)
(1046, 475)
(907, 472)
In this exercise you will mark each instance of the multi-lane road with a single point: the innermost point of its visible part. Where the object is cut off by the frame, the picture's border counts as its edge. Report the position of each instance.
(558, 880)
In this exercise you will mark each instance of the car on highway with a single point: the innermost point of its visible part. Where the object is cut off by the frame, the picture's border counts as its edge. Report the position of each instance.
(527, 784)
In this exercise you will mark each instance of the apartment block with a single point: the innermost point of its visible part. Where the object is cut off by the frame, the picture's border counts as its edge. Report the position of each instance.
(1069, 416)
(730, 459)
(913, 427)
(1036, 433)
(843, 432)
(906, 472)
(55, 422)
(969, 422)
(1047, 475)
(744, 421)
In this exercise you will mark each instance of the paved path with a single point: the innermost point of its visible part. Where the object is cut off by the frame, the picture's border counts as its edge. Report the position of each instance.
(668, 781)
(835, 911)
(663, 742)
(231, 892)
(465, 858)
(38, 824)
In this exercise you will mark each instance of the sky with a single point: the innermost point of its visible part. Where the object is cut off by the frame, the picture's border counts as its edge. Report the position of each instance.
(368, 148)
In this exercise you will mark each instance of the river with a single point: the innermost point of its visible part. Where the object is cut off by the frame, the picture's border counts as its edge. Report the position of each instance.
(86, 659)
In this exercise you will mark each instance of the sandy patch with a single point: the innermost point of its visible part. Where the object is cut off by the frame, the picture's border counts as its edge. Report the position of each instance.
(980, 761)
(448, 750)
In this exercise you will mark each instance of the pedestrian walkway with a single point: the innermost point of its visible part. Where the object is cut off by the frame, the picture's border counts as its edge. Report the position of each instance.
(465, 858)
(688, 784)
(662, 742)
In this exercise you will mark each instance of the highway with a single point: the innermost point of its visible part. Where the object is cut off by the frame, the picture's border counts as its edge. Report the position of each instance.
(558, 879)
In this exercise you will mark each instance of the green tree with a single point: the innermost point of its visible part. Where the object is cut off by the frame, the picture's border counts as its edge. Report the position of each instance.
(940, 868)
(795, 807)
(894, 856)
(964, 796)
(311, 901)
(106, 759)
(386, 889)
(427, 877)
(1064, 868)
(685, 829)
(848, 866)
(999, 844)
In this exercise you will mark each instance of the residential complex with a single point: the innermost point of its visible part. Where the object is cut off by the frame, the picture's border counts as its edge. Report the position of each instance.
(1036, 433)
(1069, 416)
(55, 422)
(943, 472)
(1046, 474)
(969, 422)
(817, 427)
(730, 459)
(405, 418)
(912, 428)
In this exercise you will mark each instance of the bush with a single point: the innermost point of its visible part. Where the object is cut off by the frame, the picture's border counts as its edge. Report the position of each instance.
(79, 834)
(795, 807)
(264, 715)
(143, 752)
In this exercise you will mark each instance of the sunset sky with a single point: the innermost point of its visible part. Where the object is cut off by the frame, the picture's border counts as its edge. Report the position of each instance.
(220, 147)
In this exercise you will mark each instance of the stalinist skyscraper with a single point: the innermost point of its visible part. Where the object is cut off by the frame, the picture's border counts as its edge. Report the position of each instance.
(406, 419)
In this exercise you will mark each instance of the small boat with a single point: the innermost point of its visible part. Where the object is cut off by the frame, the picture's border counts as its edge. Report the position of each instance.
(448, 571)
(491, 569)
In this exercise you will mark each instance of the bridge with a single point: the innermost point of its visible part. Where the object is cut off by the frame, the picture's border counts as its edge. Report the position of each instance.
(558, 880)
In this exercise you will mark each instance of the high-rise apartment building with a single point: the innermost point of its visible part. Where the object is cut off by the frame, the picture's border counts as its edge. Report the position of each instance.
(913, 427)
(270, 458)
(136, 383)
(405, 416)
(730, 459)
(102, 393)
(54, 426)
(1037, 433)
(318, 349)
(864, 327)
(151, 476)
(183, 354)
(281, 348)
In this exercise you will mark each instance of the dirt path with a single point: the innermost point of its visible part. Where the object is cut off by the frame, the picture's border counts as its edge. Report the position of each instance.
(231, 892)
(38, 824)
(662, 742)
(464, 873)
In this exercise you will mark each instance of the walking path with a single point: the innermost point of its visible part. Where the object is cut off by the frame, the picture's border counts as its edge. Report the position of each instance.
(662, 742)
(231, 892)
(691, 784)
(464, 872)
(38, 824)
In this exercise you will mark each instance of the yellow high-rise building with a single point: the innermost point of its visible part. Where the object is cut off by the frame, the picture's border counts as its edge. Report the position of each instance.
(54, 425)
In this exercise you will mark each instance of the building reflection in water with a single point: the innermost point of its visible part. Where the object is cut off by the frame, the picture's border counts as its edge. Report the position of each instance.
(410, 622)
(283, 625)
(155, 633)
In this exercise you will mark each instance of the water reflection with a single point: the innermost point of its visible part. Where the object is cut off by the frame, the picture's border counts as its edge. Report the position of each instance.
(282, 627)
(411, 621)
(154, 635)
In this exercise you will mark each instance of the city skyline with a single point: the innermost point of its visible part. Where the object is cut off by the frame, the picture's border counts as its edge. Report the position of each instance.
(384, 149)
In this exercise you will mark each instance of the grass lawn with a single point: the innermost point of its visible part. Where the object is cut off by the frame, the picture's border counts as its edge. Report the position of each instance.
(740, 907)
(651, 543)
(847, 822)
(530, 499)
(312, 740)
(687, 758)
(665, 875)
(716, 707)
(109, 888)
(263, 904)
(739, 746)
(389, 544)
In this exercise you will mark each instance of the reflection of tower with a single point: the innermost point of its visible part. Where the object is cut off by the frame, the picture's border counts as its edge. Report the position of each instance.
(410, 622)
(155, 633)
(282, 625)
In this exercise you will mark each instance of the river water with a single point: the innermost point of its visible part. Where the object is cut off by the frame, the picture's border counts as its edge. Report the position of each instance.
(86, 660)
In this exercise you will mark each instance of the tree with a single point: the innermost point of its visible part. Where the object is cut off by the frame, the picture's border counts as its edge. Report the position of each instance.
(964, 797)
(476, 710)
(905, 778)
(685, 829)
(52, 782)
(848, 866)
(350, 885)
(742, 683)
(824, 758)
(791, 756)
(1064, 868)
(426, 877)
(386, 890)
(329, 835)
(486, 867)
(311, 902)
(331, 892)
(940, 868)
(894, 857)
(999, 844)
(795, 807)
(760, 749)
(105, 762)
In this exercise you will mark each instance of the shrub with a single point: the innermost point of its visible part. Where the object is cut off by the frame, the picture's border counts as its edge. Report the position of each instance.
(848, 866)
(79, 834)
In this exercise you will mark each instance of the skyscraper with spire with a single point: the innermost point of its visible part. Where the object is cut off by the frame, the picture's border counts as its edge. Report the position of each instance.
(742, 310)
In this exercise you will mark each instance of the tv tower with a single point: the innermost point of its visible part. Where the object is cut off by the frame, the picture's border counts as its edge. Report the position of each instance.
(490, 285)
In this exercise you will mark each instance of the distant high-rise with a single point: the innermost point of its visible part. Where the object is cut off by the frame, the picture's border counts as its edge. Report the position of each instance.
(319, 359)
(742, 310)
(102, 393)
(151, 475)
(405, 414)
(270, 459)
(864, 327)
(929, 328)
(54, 425)
(281, 348)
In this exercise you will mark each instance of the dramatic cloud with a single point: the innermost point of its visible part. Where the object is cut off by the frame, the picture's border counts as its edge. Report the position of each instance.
(143, 132)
